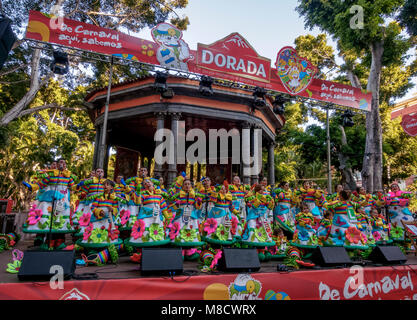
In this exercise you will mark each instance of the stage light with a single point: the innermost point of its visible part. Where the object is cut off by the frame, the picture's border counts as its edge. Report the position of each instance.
(278, 104)
(7, 39)
(205, 86)
(60, 65)
(161, 86)
(259, 97)
(347, 120)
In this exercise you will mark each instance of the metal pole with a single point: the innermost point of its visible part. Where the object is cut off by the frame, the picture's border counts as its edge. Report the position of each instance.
(106, 115)
(329, 171)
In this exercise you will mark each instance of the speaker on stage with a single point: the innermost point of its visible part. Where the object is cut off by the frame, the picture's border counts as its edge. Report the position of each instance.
(387, 255)
(36, 265)
(239, 260)
(331, 257)
(161, 261)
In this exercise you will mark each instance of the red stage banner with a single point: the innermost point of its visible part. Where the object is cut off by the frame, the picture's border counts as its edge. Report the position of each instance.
(231, 58)
(386, 283)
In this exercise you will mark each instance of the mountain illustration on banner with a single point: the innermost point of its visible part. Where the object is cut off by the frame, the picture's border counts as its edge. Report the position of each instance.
(296, 73)
(234, 55)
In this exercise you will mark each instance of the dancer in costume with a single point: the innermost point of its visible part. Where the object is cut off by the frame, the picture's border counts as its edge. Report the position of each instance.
(258, 231)
(101, 232)
(365, 226)
(309, 196)
(94, 187)
(305, 235)
(367, 200)
(335, 196)
(82, 202)
(52, 213)
(344, 231)
(149, 228)
(221, 226)
(397, 202)
(283, 213)
(184, 231)
(239, 192)
(324, 226)
(122, 190)
(206, 192)
(380, 227)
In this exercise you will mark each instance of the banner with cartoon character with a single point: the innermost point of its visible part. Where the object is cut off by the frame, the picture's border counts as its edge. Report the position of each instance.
(386, 283)
(231, 58)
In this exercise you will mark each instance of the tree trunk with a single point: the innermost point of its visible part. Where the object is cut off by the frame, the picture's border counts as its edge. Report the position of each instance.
(348, 177)
(35, 85)
(372, 162)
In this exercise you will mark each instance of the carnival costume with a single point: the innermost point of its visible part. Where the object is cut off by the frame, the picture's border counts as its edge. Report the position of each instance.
(149, 228)
(305, 235)
(344, 231)
(221, 226)
(184, 229)
(284, 215)
(257, 230)
(397, 203)
(309, 196)
(100, 230)
(54, 199)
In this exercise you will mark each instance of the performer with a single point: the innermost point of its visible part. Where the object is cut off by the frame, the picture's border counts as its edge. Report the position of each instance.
(305, 235)
(239, 192)
(206, 192)
(344, 231)
(324, 226)
(367, 200)
(184, 231)
(220, 226)
(364, 225)
(122, 190)
(335, 196)
(283, 213)
(149, 228)
(101, 231)
(380, 227)
(258, 231)
(397, 202)
(309, 196)
(82, 192)
(53, 203)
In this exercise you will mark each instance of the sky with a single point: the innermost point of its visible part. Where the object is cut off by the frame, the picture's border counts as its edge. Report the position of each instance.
(268, 25)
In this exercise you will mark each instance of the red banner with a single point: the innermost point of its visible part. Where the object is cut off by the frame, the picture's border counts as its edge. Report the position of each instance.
(231, 58)
(409, 124)
(386, 283)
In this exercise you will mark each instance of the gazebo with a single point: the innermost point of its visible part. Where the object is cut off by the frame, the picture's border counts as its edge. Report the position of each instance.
(136, 111)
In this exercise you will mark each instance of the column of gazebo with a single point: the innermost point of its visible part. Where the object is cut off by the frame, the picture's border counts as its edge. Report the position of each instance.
(160, 125)
(172, 167)
(271, 163)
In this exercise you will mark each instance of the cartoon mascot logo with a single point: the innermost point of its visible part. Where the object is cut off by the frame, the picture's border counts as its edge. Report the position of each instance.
(245, 288)
(173, 52)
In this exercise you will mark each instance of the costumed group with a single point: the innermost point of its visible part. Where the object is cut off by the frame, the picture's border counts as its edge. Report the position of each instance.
(106, 216)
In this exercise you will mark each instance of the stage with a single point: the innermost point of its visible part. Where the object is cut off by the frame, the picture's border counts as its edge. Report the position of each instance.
(124, 282)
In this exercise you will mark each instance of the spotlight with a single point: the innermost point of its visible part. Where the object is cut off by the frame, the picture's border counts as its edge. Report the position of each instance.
(161, 82)
(347, 120)
(278, 103)
(259, 97)
(60, 65)
(205, 86)
(7, 39)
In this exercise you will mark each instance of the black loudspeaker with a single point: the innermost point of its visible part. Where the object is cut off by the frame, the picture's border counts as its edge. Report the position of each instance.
(239, 260)
(36, 265)
(331, 257)
(161, 261)
(387, 255)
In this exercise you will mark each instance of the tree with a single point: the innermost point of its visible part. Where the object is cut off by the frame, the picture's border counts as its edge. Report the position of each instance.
(378, 43)
(130, 15)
